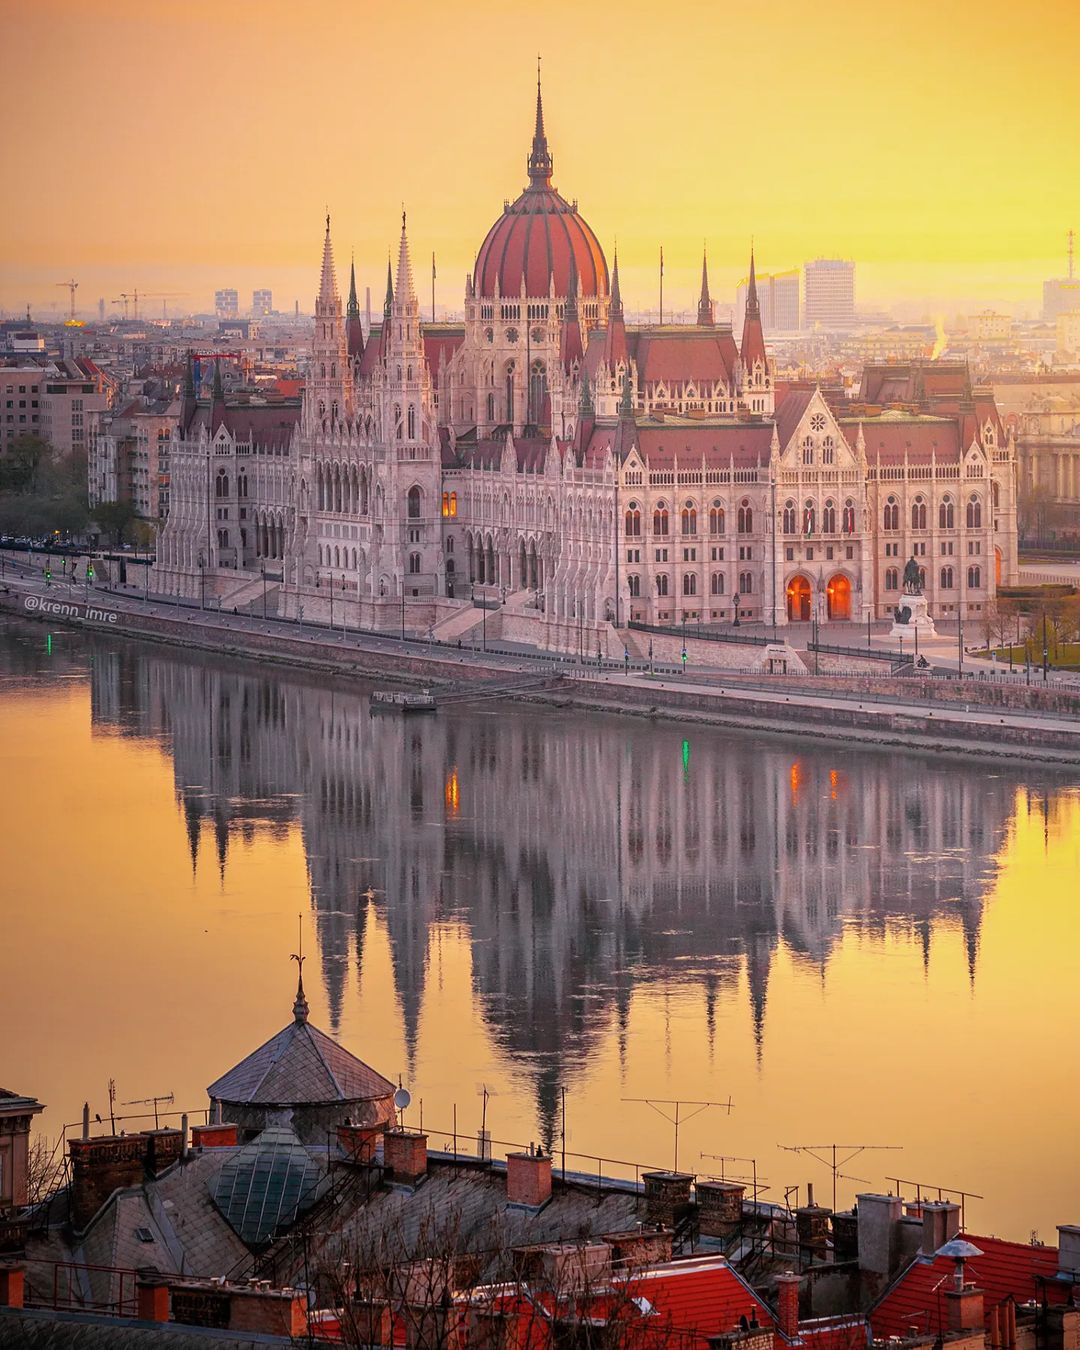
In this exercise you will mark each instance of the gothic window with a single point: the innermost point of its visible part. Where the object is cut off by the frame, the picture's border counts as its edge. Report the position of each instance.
(828, 450)
(716, 518)
(322, 370)
(633, 520)
(511, 335)
(746, 583)
(808, 450)
(223, 538)
(411, 428)
(849, 517)
(946, 578)
(397, 420)
(221, 484)
(446, 504)
(450, 545)
(633, 583)
(891, 515)
(662, 584)
(745, 518)
(414, 563)
(453, 507)
(716, 584)
(892, 579)
(489, 335)
(412, 501)
(689, 583)
(994, 494)
(946, 514)
(241, 485)
(817, 422)
(809, 517)
(689, 518)
(918, 514)
(828, 518)
(974, 513)
(333, 370)
(660, 519)
(789, 517)
(974, 578)
(538, 388)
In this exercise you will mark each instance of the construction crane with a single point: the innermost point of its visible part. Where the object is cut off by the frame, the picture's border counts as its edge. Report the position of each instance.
(133, 297)
(72, 286)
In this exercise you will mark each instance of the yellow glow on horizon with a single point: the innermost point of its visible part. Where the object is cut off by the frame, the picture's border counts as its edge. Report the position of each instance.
(203, 141)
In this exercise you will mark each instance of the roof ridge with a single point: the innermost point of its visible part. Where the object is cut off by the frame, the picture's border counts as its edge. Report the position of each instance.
(318, 1050)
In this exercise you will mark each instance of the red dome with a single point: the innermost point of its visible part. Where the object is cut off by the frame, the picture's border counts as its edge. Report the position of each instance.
(541, 236)
(535, 238)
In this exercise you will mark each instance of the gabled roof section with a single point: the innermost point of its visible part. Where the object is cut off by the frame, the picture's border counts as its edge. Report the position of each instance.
(1006, 1269)
(744, 444)
(683, 355)
(300, 1065)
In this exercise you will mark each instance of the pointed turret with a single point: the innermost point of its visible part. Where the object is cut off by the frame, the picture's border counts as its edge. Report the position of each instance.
(615, 341)
(387, 310)
(405, 295)
(753, 339)
(187, 396)
(572, 348)
(329, 392)
(217, 400)
(705, 304)
(354, 329)
(540, 163)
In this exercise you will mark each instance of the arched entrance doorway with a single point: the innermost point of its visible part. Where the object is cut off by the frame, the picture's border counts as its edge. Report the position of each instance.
(838, 597)
(798, 600)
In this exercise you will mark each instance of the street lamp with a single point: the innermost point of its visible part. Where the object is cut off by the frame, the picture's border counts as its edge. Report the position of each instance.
(264, 591)
(735, 601)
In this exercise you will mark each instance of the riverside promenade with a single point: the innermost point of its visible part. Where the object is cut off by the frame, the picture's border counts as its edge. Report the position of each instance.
(929, 715)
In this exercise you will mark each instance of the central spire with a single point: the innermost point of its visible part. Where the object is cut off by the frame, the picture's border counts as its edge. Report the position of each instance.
(328, 291)
(705, 305)
(540, 164)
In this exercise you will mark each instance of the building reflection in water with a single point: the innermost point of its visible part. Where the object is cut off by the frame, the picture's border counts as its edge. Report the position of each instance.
(585, 858)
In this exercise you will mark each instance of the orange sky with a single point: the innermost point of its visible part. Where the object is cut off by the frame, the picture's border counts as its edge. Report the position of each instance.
(186, 146)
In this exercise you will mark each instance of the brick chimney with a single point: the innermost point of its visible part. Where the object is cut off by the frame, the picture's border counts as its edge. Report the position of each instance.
(965, 1309)
(215, 1136)
(528, 1179)
(359, 1142)
(1069, 1249)
(152, 1298)
(719, 1207)
(845, 1236)
(12, 1284)
(405, 1155)
(940, 1224)
(812, 1229)
(787, 1305)
(667, 1196)
(100, 1166)
(273, 1312)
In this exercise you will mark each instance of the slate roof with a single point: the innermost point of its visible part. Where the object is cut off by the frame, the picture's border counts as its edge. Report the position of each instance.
(43, 1329)
(300, 1065)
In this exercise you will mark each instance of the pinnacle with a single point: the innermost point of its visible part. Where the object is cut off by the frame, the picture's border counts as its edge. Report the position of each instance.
(328, 290)
(403, 288)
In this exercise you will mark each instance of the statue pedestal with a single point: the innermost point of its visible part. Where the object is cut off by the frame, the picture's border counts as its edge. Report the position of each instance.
(916, 619)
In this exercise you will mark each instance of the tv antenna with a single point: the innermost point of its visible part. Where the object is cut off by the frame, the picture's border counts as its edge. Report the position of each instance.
(155, 1102)
(833, 1162)
(677, 1119)
(757, 1182)
(402, 1100)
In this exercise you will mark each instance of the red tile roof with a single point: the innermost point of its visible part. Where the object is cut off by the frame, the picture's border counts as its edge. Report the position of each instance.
(536, 238)
(1006, 1269)
(920, 439)
(744, 444)
(681, 356)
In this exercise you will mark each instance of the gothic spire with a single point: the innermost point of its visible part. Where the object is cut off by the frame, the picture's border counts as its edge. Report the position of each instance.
(328, 291)
(753, 339)
(353, 307)
(753, 309)
(705, 305)
(616, 293)
(404, 287)
(615, 339)
(540, 164)
(388, 303)
(218, 393)
(300, 1006)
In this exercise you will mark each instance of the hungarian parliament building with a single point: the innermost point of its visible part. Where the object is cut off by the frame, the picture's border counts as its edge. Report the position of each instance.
(578, 471)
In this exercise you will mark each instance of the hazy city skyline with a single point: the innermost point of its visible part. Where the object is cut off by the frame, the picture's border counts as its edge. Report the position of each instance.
(813, 138)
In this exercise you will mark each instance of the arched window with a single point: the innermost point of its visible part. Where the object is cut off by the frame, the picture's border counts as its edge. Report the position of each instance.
(397, 420)
(716, 584)
(974, 578)
(974, 513)
(892, 579)
(453, 508)
(689, 518)
(241, 485)
(995, 494)
(828, 518)
(221, 484)
(689, 583)
(746, 583)
(918, 514)
(413, 503)
(947, 579)
(891, 515)
(809, 519)
(789, 517)
(808, 450)
(745, 518)
(490, 404)
(660, 519)
(716, 518)
(446, 504)
(946, 516)
(633, 583)
(411, 425)
(662, 584)
(828, 450)
(633, 520)
(849, 517)
(414, 563)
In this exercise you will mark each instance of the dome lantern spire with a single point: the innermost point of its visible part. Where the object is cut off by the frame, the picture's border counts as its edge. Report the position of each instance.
(300, 1007)
(540, 165)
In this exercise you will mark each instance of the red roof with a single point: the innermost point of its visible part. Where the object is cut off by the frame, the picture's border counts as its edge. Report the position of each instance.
(439, 347)
(1006, 1269)
(920, 439)
(685, 355)
(535, 239)
(746, 444)
(269, 427)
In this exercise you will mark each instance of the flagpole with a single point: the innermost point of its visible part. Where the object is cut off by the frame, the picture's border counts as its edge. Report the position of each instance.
(661, 285)
(433, 288)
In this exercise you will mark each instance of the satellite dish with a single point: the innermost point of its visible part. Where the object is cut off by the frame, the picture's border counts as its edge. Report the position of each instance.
(402, 1098)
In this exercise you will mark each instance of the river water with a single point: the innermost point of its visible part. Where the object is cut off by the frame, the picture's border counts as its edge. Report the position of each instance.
(523, 911)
